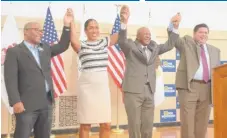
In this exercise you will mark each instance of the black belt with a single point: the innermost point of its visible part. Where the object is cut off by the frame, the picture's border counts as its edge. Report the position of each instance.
(201, 81)
(147, 83)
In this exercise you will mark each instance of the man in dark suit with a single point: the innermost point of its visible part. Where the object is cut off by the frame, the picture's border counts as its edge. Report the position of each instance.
(140, 76)
(28, 79)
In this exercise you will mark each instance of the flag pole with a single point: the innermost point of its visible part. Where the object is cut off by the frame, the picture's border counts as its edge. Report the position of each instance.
(117, 130)
(51, 135)
(149, 21)
(9, 115)
(9, 125)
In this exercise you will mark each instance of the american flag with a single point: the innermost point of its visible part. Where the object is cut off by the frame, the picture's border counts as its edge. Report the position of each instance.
(116, 58)
(57, 66)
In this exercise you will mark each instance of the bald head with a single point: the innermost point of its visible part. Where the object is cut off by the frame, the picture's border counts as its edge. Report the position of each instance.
(143, 36)
(33, 32)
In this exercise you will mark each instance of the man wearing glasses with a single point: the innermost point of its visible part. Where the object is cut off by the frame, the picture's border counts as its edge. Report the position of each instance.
(28, 79)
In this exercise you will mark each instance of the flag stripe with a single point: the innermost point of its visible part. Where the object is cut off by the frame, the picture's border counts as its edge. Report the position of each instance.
(59, 68)
(116, 59)
(113, 75)
(56, 75)
(55, 82)
(57, 64)
(115, 63)
(114, 68)
(118, 55)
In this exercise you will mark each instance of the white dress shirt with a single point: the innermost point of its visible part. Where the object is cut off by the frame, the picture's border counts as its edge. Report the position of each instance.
(147, 52)
(199, 72)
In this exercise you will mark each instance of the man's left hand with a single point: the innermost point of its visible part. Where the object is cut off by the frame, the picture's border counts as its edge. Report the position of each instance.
(69, 17)
(176, 19)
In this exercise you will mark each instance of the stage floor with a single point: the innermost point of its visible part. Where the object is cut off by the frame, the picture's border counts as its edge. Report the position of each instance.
(165, 132)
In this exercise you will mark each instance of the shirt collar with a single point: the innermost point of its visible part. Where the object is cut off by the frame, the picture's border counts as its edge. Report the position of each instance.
(30, 46)
(143, 46)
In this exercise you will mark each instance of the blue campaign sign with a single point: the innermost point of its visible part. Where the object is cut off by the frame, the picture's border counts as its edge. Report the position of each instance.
(168, 115)
(169, 65)
(170, 90)
(224, 62)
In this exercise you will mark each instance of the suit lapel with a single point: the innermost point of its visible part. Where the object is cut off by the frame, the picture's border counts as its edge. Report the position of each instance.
(209, 48)
(28, 52)
(41, 57)
(198, 50)
(192, 51)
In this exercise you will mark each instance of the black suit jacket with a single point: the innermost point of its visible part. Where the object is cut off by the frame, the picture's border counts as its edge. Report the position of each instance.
(25, 79)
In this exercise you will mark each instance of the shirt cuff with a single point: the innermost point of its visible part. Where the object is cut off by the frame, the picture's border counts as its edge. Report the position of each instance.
(66, 28)
(123, 26)
(175, 31)
(172, 29)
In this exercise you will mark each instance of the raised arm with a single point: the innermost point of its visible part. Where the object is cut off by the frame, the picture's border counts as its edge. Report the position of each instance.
(173, 36)
(173, 27)
(124, 13)
(75, 42)
(123, 42)
(64, 42)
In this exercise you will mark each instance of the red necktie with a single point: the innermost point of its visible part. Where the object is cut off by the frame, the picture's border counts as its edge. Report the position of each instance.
(205, 65)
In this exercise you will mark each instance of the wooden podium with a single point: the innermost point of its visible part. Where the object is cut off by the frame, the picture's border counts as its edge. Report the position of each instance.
(220, 101)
